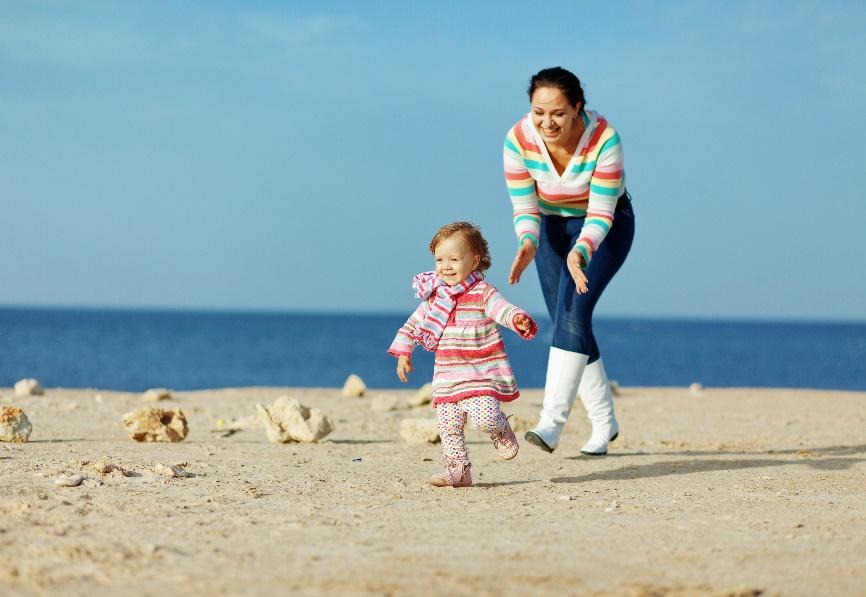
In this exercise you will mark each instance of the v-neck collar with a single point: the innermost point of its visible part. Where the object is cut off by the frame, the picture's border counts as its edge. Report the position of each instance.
(589, 121)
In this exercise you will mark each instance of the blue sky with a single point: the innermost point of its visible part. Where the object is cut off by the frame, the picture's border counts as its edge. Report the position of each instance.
(299, 155)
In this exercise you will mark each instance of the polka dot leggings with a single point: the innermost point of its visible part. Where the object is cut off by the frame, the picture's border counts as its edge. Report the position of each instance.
(483, 411)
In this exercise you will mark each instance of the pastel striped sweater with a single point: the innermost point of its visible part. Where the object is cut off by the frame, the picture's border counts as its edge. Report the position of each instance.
(470, 360)
(589, 186)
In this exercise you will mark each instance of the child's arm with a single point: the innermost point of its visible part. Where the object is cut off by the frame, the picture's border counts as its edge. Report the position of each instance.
(404, 343)
(507, 315)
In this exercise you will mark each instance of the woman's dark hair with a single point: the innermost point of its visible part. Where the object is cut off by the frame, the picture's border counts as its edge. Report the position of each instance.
(564, 80)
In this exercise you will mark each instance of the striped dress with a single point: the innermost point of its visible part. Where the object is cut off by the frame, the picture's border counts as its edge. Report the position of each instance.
(589, 186)
(470, 359)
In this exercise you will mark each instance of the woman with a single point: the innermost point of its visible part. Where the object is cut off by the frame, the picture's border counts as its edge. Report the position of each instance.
(572, 214)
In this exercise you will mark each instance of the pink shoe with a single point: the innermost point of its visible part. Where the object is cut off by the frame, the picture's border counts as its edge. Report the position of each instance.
(455, 474)
(505, 442)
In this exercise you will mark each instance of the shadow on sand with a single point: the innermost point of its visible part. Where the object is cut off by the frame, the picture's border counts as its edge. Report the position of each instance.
(816, 459)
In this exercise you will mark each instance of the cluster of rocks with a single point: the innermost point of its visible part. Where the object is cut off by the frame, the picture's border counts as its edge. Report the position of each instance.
(284, 421)
(412, 430)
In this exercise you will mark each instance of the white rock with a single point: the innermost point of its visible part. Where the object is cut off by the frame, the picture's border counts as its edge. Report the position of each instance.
(424, 395)
(28, 387)
(156, 425)
(14, 425)
(696, 389)
(613, 506)
(354, 387)
(287, 420)
(386, 402)
(156, 394)
(565, 498)
(419, 431)
(69, 480)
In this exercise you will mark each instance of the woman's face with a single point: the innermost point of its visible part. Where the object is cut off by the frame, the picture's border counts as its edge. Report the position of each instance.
(552, 115)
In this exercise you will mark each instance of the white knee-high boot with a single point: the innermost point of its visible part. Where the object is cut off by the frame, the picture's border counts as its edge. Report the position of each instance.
(564, 370)
(597, 398)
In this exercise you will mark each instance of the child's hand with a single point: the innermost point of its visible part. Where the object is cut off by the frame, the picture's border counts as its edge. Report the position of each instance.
(404, 366)
(522, 323)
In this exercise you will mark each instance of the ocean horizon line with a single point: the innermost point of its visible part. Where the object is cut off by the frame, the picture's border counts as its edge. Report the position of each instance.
(275, 311)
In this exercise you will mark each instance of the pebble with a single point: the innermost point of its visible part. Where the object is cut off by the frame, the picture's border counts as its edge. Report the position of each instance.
(566, 498)
(419, 431)
(613, 506)
(385, 403)
(156, 394)
(172, 471)
(354, 387)
(28, 387)
(69, 480)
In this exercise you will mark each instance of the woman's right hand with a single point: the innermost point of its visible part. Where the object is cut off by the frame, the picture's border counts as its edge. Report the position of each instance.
(525, 255)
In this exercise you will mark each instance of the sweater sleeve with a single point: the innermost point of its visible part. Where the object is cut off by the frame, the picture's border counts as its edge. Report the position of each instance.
(521, 189)
(503, 313)
(605, 188)
(404, 343)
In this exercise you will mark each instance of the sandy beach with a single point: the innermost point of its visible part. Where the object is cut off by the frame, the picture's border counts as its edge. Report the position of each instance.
(732, 492)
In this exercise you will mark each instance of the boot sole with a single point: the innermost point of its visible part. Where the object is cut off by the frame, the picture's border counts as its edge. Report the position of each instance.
(536, 441)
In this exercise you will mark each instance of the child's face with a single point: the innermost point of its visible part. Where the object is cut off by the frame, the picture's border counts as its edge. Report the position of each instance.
(455, 259)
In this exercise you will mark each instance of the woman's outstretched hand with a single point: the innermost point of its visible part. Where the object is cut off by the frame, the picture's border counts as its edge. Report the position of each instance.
(525, 255)
(573, 262)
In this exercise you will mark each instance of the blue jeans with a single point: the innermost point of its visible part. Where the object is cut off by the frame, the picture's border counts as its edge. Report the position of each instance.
(572, 312)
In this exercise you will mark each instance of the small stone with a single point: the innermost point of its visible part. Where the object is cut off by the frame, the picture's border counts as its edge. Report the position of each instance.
(419, 431)
(696, 389)
(98, 398)
(172, 471)
(287, 420)
(104, 468)
(613, 506)
(423, 396)
(385, 403)
(14, 425)
(156, 394)
(69, 480)
(28, 387)
(156, 425)
(565, 498)
(354, 387)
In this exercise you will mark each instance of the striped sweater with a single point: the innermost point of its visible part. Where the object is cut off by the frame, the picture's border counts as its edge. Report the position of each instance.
(470, 360)
(589, 186)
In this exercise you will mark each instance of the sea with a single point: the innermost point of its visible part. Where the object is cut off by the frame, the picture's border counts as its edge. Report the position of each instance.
(133, 350)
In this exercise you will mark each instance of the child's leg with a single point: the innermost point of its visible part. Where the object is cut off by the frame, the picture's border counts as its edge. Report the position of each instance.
(450, 419)
(485, 414)
(487, 417)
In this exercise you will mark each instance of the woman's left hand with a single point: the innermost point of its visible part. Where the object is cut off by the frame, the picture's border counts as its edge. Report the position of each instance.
(573, 262)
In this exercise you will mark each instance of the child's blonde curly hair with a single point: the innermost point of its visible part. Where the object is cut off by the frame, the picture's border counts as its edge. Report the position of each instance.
(473, 236)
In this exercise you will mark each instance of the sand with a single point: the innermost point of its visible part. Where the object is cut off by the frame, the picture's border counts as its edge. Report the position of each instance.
(734, 492)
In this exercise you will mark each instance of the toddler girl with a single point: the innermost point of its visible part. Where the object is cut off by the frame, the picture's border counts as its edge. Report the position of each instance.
(457, 320)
